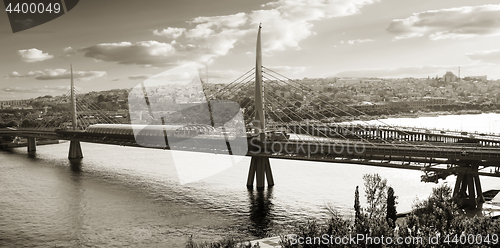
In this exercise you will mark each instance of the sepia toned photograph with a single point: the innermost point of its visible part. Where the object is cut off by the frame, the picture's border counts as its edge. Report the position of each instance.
(250, 124)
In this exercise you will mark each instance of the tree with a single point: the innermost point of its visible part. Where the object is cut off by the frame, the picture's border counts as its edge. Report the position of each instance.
(26, 123)
(359, 220)
(391, 206)
(438, 214)
(36, 104)
(12, 124)
(357, 206)
(376, 195)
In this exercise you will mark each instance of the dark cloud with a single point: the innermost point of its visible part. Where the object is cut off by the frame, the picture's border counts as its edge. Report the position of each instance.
(142, 76)
(141, 53)
(455, 23)
(490, 56)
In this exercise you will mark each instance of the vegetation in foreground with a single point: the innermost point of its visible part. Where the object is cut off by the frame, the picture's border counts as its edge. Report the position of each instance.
(227, 242)
(434, 222)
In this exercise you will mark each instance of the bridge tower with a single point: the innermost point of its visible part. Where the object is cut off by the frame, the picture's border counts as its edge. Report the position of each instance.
(75, 150)
(260, 167)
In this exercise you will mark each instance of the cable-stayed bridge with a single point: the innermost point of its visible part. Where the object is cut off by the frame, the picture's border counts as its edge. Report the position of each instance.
(277, 125)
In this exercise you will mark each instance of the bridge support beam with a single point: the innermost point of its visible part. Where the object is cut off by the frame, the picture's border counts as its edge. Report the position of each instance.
(468, 189)
(260, 168)
(75, 150)
(31, 144)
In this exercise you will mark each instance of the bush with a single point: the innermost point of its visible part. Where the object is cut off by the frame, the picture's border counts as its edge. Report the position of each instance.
(437, 215)
(227, 242)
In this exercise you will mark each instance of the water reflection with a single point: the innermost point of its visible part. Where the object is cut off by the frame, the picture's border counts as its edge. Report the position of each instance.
(32, 154)
(76, 211)
(76, 166)
(261, 208)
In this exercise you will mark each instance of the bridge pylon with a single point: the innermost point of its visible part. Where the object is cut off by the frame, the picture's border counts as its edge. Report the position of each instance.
(260, 167)
(75, 149)
(31, 144)
(468, 187)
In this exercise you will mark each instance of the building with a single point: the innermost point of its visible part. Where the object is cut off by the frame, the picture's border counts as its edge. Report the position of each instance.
(449, 77)
(479, 78)
(433, 101)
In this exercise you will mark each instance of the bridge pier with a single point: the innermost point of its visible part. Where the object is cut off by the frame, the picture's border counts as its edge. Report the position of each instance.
(75, 150)
(468, 189)
(260, 166)
(31, 144)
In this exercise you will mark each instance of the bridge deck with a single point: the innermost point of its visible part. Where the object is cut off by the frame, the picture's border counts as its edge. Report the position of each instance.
(408, 154)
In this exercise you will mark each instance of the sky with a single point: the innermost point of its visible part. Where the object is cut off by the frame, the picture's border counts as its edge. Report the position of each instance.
(115, 44)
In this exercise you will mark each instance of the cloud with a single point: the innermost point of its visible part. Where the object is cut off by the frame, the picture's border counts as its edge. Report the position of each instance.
(33, 55)
(357, 41)
(172, 33)
(285, 24)
(287, 69)
(454, 23)
(16, 74)
(44, 89)
(290, 21)
(230, 21)
(141, 76)
(54, 74)
(142, 52)
(69, 50)
(490, 56)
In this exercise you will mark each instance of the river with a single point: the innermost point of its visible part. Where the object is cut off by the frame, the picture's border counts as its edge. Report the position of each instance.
(127, 196)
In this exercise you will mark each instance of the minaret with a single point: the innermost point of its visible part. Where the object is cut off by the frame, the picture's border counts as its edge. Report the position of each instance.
(259, 98)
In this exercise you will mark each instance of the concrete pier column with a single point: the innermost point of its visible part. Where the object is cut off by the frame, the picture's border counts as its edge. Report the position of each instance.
(471, 199)
(260, 168)
(468, 189)
(75, 150)
(458, 185)
(31, 144)
(269, 174)
(479, 192)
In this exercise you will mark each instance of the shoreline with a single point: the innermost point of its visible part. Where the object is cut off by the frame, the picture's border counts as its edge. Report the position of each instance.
(417, 114)
(25, 144)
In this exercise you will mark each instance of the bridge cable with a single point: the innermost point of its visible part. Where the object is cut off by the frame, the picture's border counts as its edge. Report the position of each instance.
(314, 126)
(310, 92)
(343, 104)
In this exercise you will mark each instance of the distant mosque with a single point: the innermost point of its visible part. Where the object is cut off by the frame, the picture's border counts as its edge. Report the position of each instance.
(449, 77)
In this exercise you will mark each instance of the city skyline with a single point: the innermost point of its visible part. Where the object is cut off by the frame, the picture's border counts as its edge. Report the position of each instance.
(117, 44)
